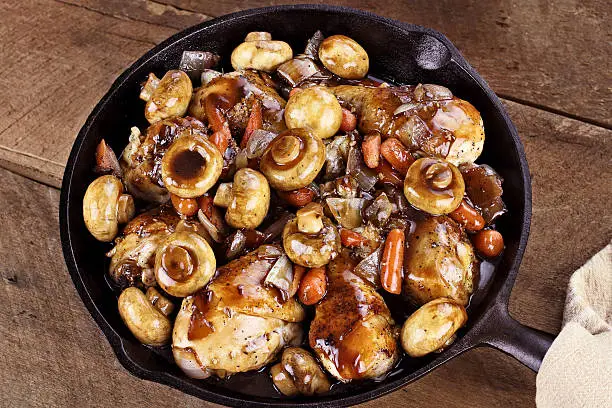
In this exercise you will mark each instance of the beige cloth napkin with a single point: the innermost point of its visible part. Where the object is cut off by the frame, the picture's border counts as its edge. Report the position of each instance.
(577, 370)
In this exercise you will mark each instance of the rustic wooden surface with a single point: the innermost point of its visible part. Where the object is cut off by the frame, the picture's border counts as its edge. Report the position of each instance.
(550, 63)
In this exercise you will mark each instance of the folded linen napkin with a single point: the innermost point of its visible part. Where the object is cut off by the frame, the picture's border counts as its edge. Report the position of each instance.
(577, 370)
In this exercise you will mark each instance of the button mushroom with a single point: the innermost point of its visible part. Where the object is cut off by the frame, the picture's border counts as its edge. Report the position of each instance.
(434, 185)
(344, 57)
(184, 263)
(293, 159)
(247, 199)
(299, 373)
(311, 250)
(191, 166)
(167, 97)
(259, 52)
(315, 108)
(149, 325)
(105, 206)
(439, 261)
(432, 327)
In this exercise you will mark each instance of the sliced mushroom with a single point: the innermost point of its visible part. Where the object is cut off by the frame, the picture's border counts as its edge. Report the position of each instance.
(105, 206)
(434, 185)
(299, 373)
(191, 166)
(167, 97)
(311, 250)
(147, 324)
(432, 327)
(184, 263)
(247, 199)
(439, 261)
(259, 52)
(293, 159)
(344, 57)
(315, 108)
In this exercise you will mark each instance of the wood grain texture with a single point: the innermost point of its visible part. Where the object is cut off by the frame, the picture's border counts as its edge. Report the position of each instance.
(57, 61)
(52, 353)
(571, 169)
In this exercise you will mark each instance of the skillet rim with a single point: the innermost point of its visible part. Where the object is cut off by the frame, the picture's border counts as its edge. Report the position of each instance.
(495, 305)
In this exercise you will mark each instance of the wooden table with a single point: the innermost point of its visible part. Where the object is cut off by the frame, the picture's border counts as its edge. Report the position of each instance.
(549, 62)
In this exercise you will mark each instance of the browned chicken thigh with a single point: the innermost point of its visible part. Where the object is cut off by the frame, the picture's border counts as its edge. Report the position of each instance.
(236, 323)
(353, 333)
(426, 117)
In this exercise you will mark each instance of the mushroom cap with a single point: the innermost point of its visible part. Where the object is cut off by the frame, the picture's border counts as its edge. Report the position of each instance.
(439, 261)
(315, 108)
(432, 326)
(311, 250)
(148, 324)
(307, 375)
(191, 166)
(434, 186)
(293, 159)
(100, 206)
(261, 55)
(250, 199)
(344, 57)
(170, 98)
(184, 263)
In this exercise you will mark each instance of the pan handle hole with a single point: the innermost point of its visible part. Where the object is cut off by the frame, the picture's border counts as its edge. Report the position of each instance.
(431, 53)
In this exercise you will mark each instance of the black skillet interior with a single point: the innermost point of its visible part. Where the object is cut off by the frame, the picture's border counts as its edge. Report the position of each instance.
(398, 52)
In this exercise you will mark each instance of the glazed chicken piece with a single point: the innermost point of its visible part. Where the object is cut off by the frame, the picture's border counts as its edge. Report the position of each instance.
(353, 333)
(439, 261)
(230, 97)
(133, 257)
(425, 117)
(141, 159)
(236, 323)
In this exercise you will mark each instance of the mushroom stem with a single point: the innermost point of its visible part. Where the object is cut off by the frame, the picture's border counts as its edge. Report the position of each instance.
(125, 208)
(223, 196)
(286, 149)
(149, 87)
(160, 302)
(439, 175)
(310, 218)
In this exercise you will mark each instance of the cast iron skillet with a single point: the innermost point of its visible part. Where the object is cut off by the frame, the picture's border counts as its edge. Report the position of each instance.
(399, 52)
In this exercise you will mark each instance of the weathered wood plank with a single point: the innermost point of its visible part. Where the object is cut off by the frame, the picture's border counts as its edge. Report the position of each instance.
(57, 62)
(144, 10)
(54, 355)
(553, 55)
(571, 169)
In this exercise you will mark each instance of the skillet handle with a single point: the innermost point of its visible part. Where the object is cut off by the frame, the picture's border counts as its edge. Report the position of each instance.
(526, 344)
